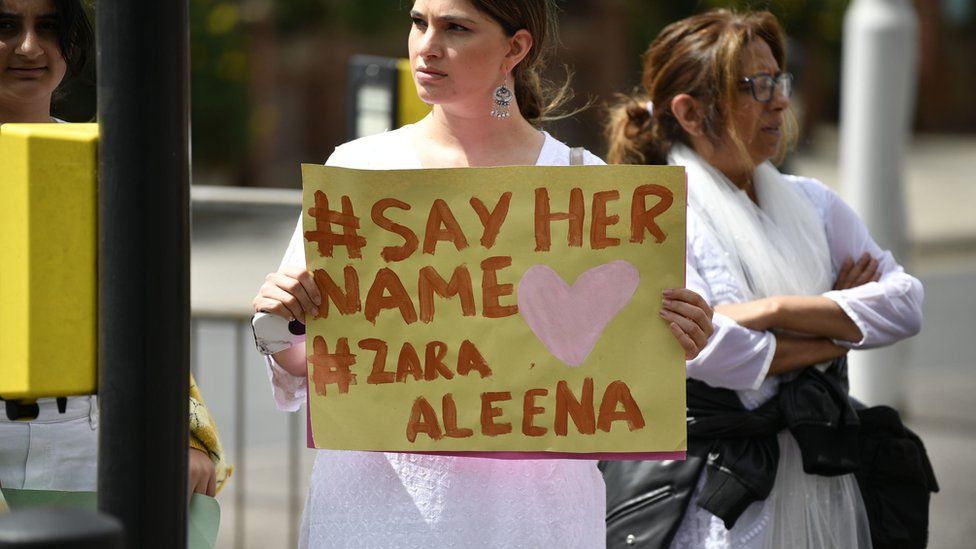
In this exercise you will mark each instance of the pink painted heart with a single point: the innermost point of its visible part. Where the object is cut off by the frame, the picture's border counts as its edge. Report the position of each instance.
(569, 320)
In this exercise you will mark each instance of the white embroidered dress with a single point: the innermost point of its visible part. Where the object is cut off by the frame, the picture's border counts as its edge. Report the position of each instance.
(377, 500)
(738, 358)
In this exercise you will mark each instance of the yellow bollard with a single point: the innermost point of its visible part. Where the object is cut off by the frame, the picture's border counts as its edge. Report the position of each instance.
(410, 108)
(48, 261)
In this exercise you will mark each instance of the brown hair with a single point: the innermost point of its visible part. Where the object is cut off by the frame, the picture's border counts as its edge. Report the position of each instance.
(537, 99)
(698, 56)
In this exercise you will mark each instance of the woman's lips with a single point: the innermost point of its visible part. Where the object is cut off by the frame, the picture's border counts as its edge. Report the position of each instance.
(27, 72)
(430, 75)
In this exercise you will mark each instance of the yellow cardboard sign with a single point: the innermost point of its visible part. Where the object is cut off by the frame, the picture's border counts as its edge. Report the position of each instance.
(495, 309)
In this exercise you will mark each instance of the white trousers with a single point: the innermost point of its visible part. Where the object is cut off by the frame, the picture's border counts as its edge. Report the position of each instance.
(53, 452)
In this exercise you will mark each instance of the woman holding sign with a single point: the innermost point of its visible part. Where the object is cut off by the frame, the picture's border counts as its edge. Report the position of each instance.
(478, 63)
(796, 281)
(42, 42)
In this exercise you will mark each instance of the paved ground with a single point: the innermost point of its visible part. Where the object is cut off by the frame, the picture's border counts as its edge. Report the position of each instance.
(940, 401)
(234, 248)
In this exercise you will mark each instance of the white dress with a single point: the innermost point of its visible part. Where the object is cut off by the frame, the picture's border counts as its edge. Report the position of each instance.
(396, 500)
(738, 358)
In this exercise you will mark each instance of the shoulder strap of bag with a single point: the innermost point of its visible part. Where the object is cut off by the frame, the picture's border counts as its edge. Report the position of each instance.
(576, 156)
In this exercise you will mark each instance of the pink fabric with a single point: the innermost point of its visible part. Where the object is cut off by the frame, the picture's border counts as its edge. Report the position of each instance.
(606, 456)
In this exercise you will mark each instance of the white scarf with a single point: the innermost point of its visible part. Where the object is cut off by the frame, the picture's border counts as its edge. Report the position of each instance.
(778, 247)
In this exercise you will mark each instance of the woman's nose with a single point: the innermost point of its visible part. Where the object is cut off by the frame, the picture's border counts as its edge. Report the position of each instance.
(29, 45)
(781, 93)
(430, 44)
(781, 98)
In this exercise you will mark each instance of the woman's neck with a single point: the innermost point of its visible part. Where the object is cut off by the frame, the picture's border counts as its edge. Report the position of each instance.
(25, 113)
(724, 160)
(457, 140)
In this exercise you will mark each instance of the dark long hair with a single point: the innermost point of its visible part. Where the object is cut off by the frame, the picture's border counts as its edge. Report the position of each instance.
(75, 35)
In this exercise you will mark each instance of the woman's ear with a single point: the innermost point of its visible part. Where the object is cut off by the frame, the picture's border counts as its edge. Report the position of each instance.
(687, 110)
(519, 46)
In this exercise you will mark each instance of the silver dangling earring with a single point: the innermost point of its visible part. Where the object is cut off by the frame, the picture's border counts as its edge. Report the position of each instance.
(500, 101)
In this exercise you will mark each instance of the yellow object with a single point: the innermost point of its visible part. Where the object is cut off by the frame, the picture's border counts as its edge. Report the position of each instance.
(204, 436)
(495, 309)
(48, 262)
(410, 109)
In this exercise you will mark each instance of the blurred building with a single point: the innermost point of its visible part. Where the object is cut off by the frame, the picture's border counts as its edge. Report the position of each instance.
(269, 77)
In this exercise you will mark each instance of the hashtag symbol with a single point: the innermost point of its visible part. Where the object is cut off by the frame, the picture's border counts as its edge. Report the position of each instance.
(325, 218)
(328, 369)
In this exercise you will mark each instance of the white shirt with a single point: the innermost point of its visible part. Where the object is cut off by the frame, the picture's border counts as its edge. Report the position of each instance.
(739, 358)
(372, 499)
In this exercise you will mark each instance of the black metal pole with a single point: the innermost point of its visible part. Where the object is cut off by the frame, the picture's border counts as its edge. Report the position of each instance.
(143, 106)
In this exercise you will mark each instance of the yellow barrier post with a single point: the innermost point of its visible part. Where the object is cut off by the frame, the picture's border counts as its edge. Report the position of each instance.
(410, 108)
(382, 96)
(48, 261)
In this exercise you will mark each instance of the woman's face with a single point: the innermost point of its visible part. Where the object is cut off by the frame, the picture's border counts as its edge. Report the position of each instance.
(759, 125)
(457, 54)
(31, 64)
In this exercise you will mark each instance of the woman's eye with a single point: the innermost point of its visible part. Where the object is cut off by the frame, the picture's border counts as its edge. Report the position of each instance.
(419, 23)
(456, 27)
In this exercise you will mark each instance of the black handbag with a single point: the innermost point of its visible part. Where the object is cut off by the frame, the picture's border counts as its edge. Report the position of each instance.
(896, 481)
(646, 500)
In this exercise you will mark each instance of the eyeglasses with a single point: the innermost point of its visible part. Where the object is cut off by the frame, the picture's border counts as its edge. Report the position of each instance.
(763, 86)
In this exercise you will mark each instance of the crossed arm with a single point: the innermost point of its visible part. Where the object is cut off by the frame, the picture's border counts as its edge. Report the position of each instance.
(817, 320)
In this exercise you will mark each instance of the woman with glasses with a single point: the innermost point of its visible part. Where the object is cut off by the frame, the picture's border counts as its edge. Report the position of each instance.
(794, 277)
